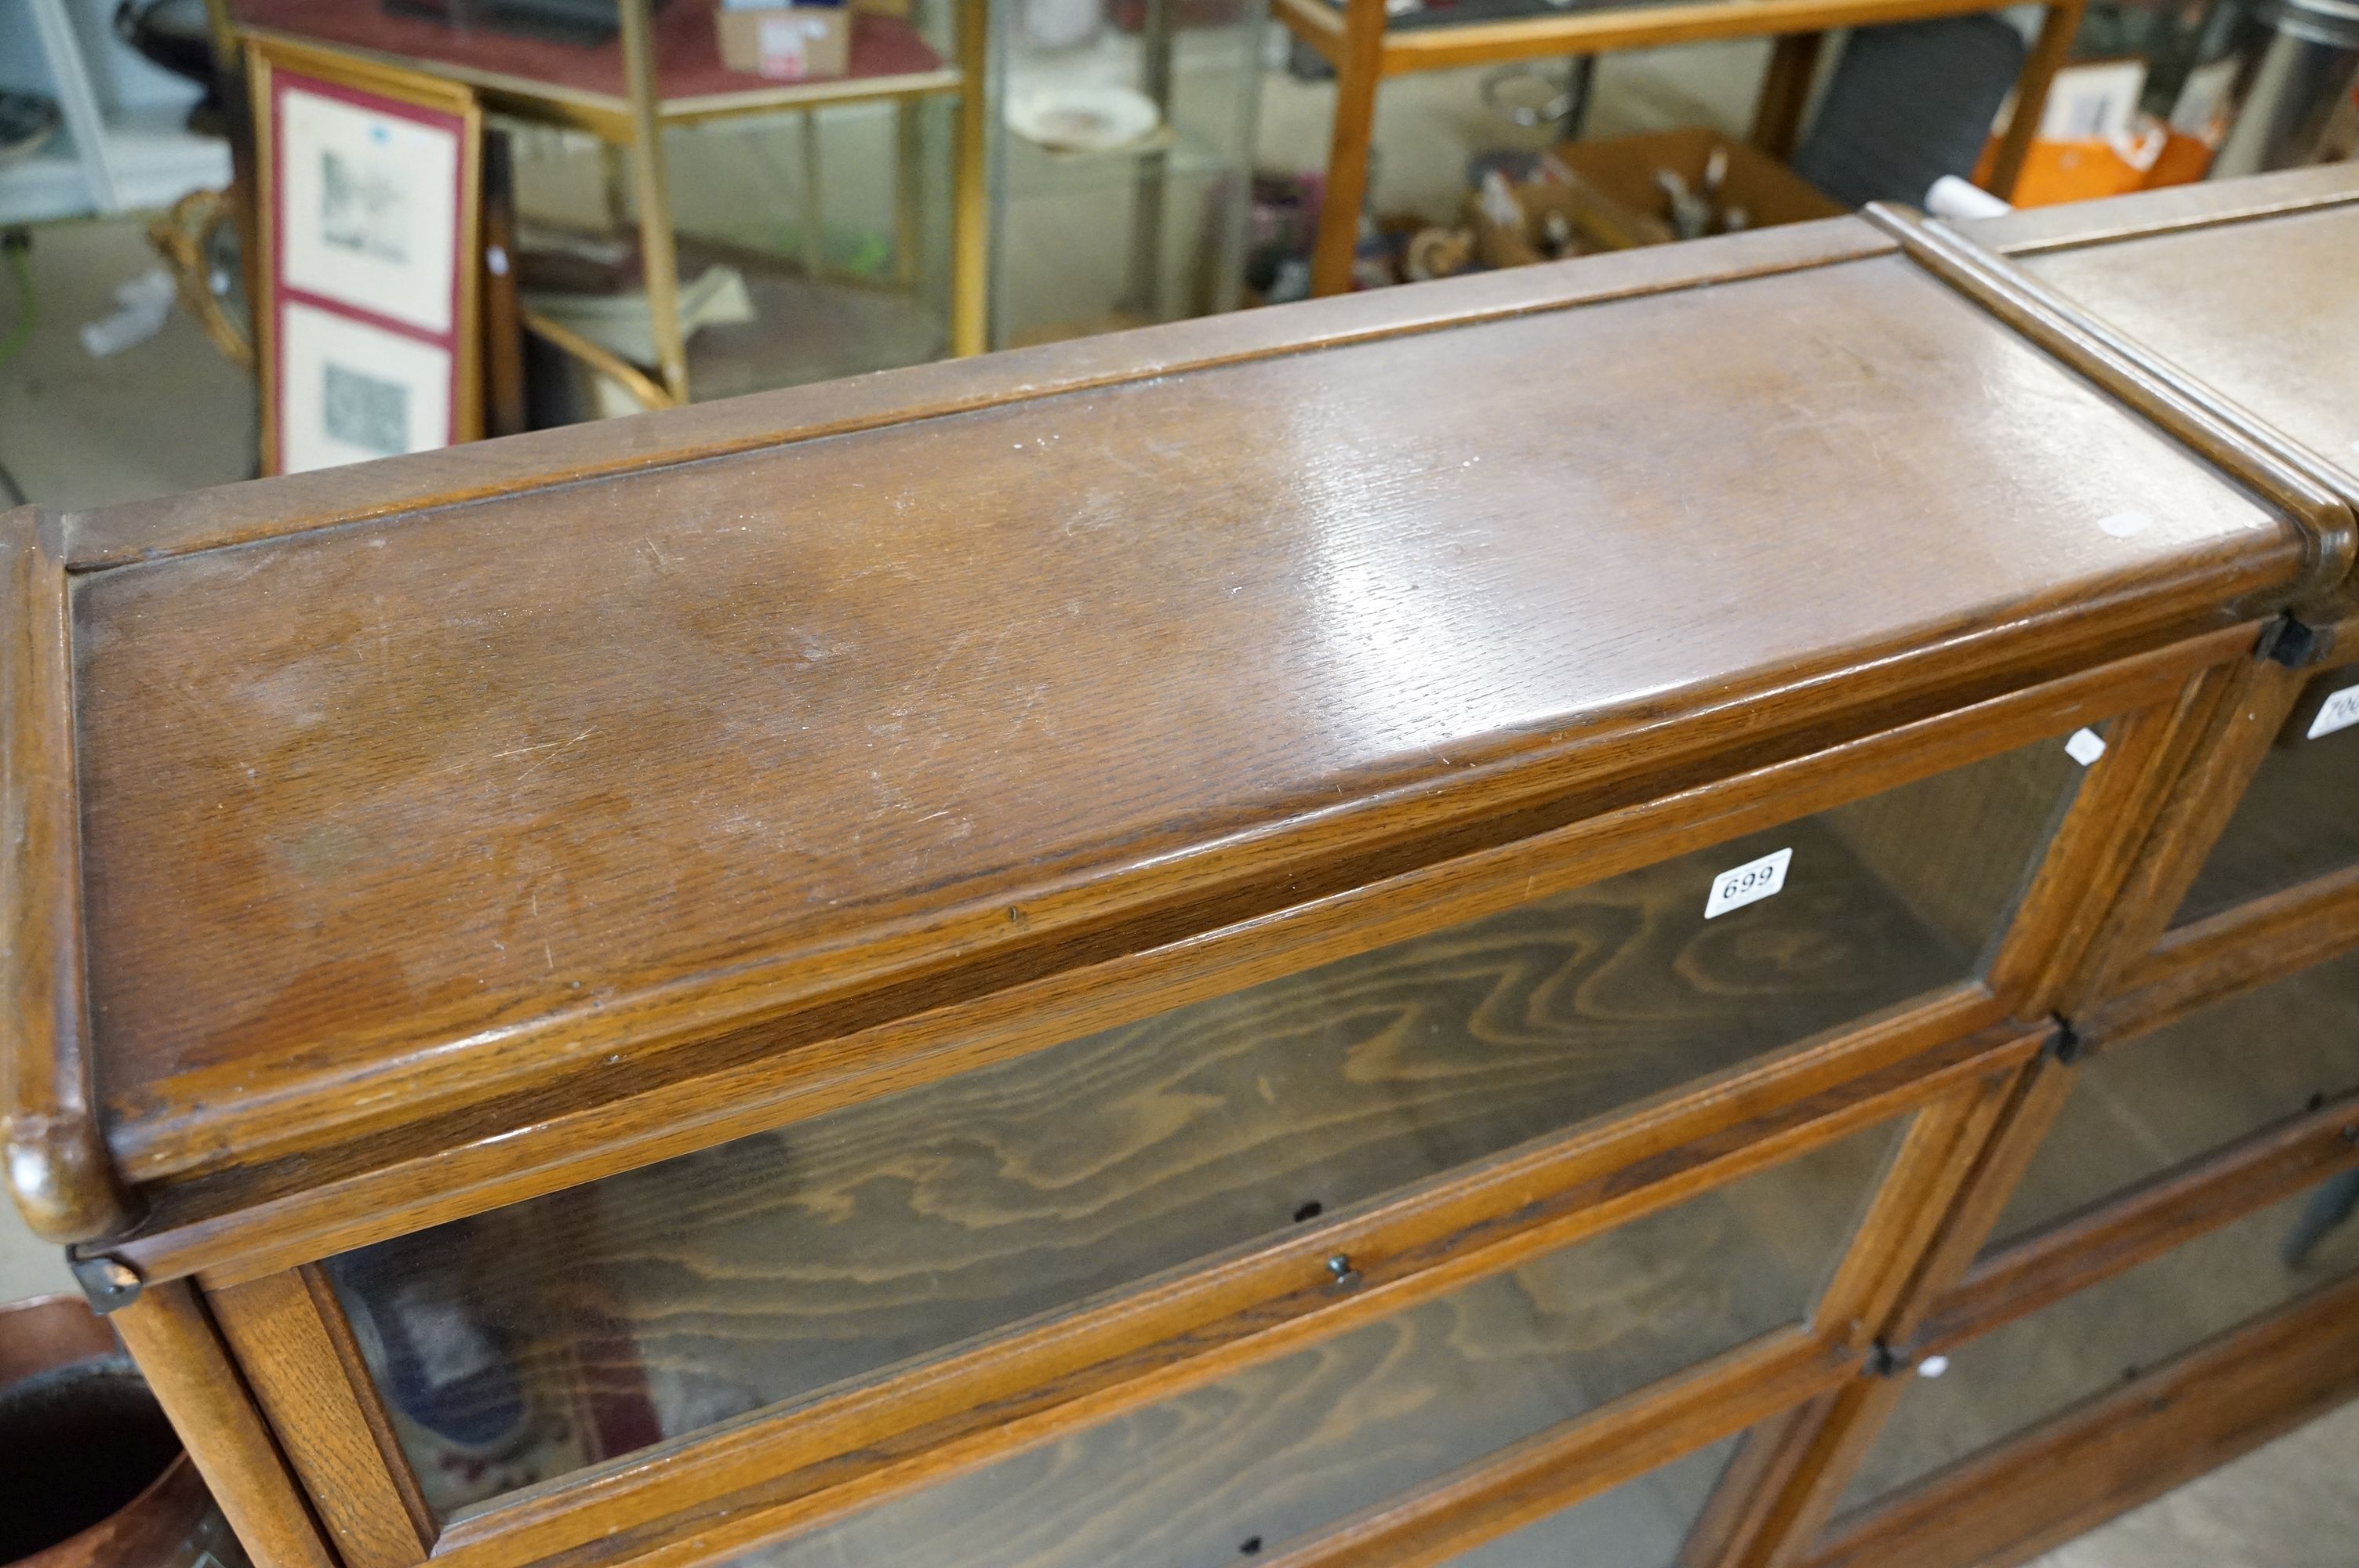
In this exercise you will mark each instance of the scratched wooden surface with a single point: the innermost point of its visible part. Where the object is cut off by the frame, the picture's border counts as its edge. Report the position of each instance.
(788, 1263)
(1296, 1444)
(2296, 820)
(2288, 351)
(410, 800)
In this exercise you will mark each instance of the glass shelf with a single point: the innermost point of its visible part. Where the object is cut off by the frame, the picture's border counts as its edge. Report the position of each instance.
(1148, 231)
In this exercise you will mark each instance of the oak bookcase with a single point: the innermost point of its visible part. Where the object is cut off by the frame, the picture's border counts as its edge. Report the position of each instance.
(1698, 907)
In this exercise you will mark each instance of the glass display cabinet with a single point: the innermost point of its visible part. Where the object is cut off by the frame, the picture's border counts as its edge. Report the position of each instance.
(715, 228)
(1177, 948)
(1121, 145)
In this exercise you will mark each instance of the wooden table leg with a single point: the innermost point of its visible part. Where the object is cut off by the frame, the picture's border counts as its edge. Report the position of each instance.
(1786, 94)
(1357, 69)
(2048, 52)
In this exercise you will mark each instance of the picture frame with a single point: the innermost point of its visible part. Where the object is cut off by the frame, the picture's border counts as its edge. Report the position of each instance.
(368, 182)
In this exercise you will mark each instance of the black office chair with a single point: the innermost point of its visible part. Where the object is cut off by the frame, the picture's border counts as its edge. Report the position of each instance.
(1909, 102)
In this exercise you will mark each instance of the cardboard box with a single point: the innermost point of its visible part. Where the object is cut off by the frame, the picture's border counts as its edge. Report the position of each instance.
(1623, 168)
(2091, 140)
(786, 43)
(1597, 222)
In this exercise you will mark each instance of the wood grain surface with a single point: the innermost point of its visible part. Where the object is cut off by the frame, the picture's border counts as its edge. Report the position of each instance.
(784, 1263)
(2289, 353)
(2290, 476)
(267, 1218)
(168, 1332)
(864, 708)
(59, 1171)
(1297, 1443)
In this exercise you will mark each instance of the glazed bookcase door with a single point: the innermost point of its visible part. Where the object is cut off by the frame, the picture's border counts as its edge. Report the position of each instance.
(1260, 1463)
(2010, 1381)
(2151, 1105)
(794, 1267)
(2186, 1213)
(1642, 1523)
(2297, 822)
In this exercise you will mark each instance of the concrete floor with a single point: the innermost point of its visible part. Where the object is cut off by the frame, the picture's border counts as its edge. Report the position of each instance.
(171, 414)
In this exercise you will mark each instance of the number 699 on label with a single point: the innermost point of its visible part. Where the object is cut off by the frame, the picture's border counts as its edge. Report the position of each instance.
(1748, 883)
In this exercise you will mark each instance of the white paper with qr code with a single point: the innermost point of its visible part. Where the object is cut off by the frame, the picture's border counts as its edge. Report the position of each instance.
(2340, 711)
(1748, 883)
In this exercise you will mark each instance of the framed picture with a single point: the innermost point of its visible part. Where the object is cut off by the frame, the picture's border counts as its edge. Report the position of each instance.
(369, 182)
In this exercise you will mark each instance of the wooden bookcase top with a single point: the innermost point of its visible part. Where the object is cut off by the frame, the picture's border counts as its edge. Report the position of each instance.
(377, 810)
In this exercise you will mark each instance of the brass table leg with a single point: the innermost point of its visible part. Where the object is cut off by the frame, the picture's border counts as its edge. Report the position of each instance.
(659, 262)
(1356, 75)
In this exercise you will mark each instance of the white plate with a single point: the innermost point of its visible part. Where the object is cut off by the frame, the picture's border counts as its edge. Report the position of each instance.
(1083, 118)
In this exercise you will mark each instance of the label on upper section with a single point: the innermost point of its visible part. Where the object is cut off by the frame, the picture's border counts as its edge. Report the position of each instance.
(2085, 747)
(2340, 711)
(1748, 883)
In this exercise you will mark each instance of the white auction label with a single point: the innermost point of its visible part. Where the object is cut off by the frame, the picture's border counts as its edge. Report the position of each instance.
(2340, 711)
(1748, 883)
(2085, 747)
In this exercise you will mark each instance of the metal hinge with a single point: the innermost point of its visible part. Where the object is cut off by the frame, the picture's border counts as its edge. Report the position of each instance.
(2294, 643)
(110, 1283)
(1883, 1361)
(2064, 1046)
